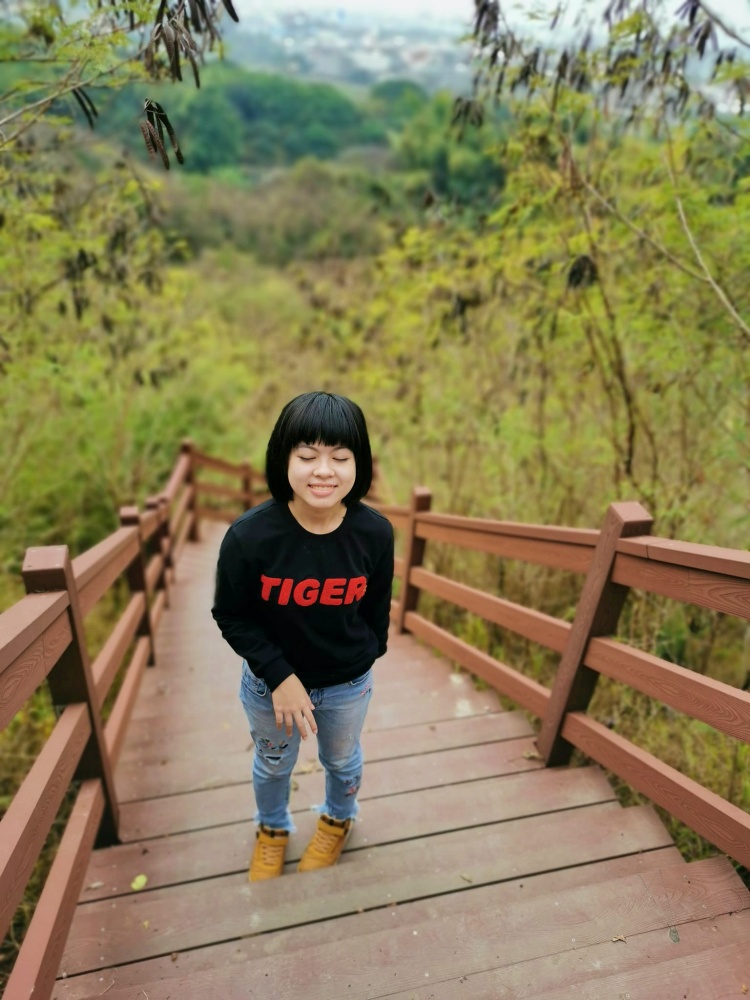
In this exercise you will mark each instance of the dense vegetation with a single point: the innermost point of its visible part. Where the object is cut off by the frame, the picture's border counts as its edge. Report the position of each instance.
(541, 318)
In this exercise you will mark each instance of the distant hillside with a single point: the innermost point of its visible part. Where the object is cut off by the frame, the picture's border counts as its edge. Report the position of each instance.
(351, 50)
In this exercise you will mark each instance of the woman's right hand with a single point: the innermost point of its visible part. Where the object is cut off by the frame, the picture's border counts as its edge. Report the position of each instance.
(292, 705)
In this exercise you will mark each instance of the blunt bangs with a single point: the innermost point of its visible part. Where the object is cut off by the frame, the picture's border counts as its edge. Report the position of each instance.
(318, 417)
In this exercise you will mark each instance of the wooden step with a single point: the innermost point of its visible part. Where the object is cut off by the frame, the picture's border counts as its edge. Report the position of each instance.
(147, 924)
(405, 915)
(459, 944)
(186, 767)
(235, 803)
(222, 850)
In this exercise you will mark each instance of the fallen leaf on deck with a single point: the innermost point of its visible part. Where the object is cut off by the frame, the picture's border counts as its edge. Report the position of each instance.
(173, 956)
(744, 988)
(139, 882)
(619, 937)
(146, 923)
(94, 885)
(467, 878)
(532, 755)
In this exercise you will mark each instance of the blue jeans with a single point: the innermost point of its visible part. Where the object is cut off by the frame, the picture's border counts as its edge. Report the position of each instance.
(340, 713)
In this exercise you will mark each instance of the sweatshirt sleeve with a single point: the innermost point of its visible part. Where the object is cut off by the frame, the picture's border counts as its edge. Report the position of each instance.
(376, 604)
(235, 613)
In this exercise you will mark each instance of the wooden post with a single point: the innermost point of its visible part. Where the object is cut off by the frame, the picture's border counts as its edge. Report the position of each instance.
(421, 500)
(167, 541)
(136, 572)
(70, 680)
(247, 485)
(598, 612)
(160, 536)
(187, 448)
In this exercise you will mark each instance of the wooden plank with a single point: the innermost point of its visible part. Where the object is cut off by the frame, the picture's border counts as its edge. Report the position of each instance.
(720, 705)
(153, 571)
(22, 676)
(228, 720)
(25, 622)
(219, 464)
(352, 927)
(36, 967)
(720, 593)
(30, 815)
(168, 769)
(177, 478)
(585, 537)
(149, 521)
(216, 490)
(658, 578)
(182, 535)
(534, 625)
(115, 729)
(157, 609)
(235, 803)
(720, 972)
(503, 678)
(202, 698)
(558, 555)
(720, 822)
(97, 569)
(188, 916)
(425, 812)
(597, 613)
(459, 946)
(708, 954)
(109, 660)
(728, 594)
(186, 498)
(712, 558)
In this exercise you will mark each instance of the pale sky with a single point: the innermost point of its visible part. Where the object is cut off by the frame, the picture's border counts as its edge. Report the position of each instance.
(735, 12)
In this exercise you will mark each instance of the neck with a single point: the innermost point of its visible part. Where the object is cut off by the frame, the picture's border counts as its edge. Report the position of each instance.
(318, 522)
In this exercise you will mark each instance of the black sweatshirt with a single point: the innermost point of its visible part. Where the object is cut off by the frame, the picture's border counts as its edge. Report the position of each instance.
(292, 602)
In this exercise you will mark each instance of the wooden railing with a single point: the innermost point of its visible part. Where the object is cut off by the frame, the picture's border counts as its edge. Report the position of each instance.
(621, 556)
(42, 639)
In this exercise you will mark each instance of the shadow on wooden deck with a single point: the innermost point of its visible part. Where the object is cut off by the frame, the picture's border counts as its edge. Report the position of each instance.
(474, 872)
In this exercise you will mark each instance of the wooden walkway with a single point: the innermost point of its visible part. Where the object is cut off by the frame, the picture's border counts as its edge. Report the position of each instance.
(473, 872)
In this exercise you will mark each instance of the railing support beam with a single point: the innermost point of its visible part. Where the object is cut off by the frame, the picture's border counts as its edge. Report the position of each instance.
(597, 614)
(136, 574)
(421, 500)
(187, 448)
(71, 680)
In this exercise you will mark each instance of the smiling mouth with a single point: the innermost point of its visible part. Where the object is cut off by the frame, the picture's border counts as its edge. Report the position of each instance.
(321, 488)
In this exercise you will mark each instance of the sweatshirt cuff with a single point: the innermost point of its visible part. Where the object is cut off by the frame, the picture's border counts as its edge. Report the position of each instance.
(277, 672)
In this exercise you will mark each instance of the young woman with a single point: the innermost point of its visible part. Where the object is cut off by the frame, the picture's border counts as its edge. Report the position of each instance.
(303, 593)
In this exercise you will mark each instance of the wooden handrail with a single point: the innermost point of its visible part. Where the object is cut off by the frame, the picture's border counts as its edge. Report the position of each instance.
(535, 532)
(33, 634)
(720, 822)
(41, 638)
(557, 554)
(32, 812)
(704, 575)
(178, 478)
(732, 562)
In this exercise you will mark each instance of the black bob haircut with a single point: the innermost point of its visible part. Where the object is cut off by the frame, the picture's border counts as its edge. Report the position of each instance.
(318, 417)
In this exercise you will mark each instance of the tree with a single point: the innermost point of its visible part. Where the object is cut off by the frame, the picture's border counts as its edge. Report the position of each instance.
(72, 57)
(648, 72)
